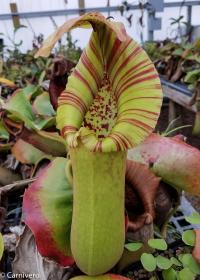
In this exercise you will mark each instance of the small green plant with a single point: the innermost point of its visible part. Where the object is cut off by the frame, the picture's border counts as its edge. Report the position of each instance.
(179, 267)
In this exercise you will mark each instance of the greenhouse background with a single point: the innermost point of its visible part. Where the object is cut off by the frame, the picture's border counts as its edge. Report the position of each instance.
(51, 18)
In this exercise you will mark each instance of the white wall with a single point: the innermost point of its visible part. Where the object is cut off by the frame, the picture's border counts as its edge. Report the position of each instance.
(45, 25)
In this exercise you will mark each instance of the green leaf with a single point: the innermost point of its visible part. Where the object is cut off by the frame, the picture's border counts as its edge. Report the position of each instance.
(49, 142)
(26, 153)
(148, 261)
(135, 246)
(194, 218)
(31, 91)
(42, 76)
(169, 274)
(192, 76)
(197, 59)
(3, 132)
(163, 262)
(20, 107)
(175, 261)
(188, 237)
(41, 123)
(178, 52)
(1, 246)
(180, 257)
(158, 243)
(185, 274)
(191, 263)
(42, 105)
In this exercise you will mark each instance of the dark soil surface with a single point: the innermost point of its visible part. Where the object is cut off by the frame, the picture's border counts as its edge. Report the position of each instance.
(186, 118)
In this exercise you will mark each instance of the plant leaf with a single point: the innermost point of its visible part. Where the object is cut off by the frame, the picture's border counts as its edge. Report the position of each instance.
(194, 218)
(188, 237)
(31, 91)
(159, 244)
(163, 263)
(162, 154)
(180, 257)
(42, 105)
(26, 153)
(3, 132)
(186, 274)
(1, 246)
(169, 274)
(192, 76)
(175, 261)
(196, 250)
(148, 261)
(20, 107)
(47, 208)
(191, 263)
(48, 142)
(135, 246)
(44, 123)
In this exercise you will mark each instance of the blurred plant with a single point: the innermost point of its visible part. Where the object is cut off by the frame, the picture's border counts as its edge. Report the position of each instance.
(69, 49)
(124, 9)
(179, 62)
(180, 264)
(24, 68)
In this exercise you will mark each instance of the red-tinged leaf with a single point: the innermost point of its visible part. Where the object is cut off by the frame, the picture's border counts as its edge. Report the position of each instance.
(47, 208)
(48, 142)
(176, 162)
(26, 153)
(196, 251)
(101, 277)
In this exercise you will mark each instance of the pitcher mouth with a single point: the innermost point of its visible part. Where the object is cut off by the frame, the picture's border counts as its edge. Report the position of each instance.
(113, 97)
(112, 100)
